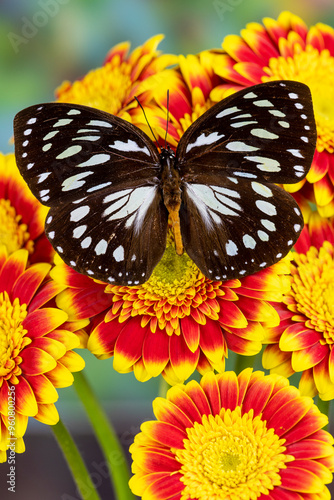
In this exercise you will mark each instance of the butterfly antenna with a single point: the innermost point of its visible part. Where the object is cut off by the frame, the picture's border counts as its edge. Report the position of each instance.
(167, 119)
(147, 121)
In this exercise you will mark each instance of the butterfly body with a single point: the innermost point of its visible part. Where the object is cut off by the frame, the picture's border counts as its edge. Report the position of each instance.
(171, 191)
(111, 191)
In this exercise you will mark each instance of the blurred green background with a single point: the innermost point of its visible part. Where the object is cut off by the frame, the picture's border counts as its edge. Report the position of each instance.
(74, 37)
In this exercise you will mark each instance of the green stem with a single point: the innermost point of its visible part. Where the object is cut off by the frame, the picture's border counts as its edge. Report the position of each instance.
(106, 437)
(324, 407)
(163, 387)
(79, 472)
(243, 362)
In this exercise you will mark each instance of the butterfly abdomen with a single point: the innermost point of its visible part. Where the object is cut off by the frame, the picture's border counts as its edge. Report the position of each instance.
(171, 191)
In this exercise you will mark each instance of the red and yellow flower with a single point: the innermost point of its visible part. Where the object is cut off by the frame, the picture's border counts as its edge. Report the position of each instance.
(232, 437)
(123, 76)
(189, 86)
(36, 345)
(176, 322)
(21, 215)
(286, 49)
(304, 339)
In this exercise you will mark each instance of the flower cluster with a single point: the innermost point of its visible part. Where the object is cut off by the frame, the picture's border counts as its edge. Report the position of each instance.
(246, 436)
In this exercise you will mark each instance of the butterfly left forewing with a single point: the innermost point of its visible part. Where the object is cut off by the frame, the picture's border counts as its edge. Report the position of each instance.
(237, 228)
(67, 151)
(100, 176)
(263, 132)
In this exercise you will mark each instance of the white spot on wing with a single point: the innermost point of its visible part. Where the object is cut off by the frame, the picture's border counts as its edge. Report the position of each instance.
(295, 152)
(204, 140)
(101, 247)
(72, 150)
(95, 160)
(239, 146)
(249, 241)
(63, 122)
(74, 112)
(268, 224)
(99, 186)
(79, 231)
(227, 111)
(31, 121)
(266, 207)
(231, 248)
(262, 235)
(250, 95)
(86, 242)
(99, 123)
(50, 135)
(75, 181)
(79, 213)
(129, 147)
(263, 133)
(42, 177)
(265, 164)
(264, 103)
(118, 254)
(261, 189)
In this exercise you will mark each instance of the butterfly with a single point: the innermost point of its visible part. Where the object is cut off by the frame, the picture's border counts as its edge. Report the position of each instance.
(112, 192)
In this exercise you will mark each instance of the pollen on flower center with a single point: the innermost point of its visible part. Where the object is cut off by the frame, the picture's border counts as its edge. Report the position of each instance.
(313, 289)
(12, 334)
(13, 234)
(230, 456)
(315, 69)
(174, 275)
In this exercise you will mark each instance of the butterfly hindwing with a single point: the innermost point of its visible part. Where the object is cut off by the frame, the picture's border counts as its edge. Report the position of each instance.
(67, 151)
(263, 132)
(237, 228)
(120, 243)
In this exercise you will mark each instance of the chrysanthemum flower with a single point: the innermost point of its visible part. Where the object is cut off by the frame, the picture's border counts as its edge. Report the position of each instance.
(304, 339)
(233, 437)
(287, 49)
(113, 86)
(36, 345)
(175, 322)
(21, 215)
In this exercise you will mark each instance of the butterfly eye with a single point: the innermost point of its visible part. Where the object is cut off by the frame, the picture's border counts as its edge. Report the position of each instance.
(111, 192)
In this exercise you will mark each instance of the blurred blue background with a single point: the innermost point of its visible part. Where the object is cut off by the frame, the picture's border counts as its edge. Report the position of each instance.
(74, 37)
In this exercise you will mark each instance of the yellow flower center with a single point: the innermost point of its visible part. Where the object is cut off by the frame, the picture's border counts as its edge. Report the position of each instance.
(313, 289)
(175, 289)
(230, 457)
(12, 336)
(315, 69)
(105, 88)
(174, 276)
(13, 234)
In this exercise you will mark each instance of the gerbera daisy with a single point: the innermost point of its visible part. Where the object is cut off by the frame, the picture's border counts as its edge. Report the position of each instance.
(36, 354)
(175, 322)
(21, 215)
(303, 340)
(287, 49)
(113, 86)
(231, 437)
(189, 86)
